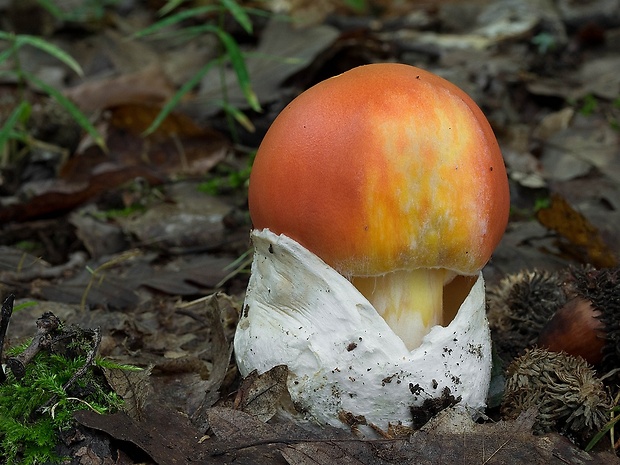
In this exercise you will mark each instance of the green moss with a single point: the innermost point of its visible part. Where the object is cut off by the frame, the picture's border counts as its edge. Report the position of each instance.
(120, 212)
(35, 409)
(227, 178)
(589, 105)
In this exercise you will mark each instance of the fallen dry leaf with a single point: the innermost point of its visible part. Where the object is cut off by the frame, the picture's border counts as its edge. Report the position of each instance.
(451, 437)
(187, 220)
(584, 239)
(137, 117)
(148, 85)
(164, 434)
(132, 386)
(218, 349)
(99, 237)
(180, 148)
(588, 143)
(317, 454)
(261, 394)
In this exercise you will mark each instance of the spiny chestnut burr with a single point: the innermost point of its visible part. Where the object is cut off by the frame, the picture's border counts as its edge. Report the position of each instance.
(569, 396)
(520, 306)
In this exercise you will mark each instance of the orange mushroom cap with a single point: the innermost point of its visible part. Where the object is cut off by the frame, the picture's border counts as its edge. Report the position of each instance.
(384, 167)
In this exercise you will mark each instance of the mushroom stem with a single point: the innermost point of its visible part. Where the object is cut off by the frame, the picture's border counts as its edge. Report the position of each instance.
(410, 301)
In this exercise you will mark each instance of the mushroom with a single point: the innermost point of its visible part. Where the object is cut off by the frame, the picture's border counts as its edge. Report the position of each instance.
(377, 196)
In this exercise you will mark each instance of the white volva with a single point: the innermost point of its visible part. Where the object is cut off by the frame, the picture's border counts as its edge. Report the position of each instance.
(341, 355)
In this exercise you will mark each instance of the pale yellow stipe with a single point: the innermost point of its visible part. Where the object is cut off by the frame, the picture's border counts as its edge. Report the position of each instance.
(410, 301)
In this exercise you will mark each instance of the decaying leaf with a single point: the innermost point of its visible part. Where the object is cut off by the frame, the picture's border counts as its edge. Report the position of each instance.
(584, 239)
(587, 145)
(137, 118)
(132, 386)
(164, 434)
(189, 219)
(552, 123)
(317, 454)
(149, 85)
(451, 437)
(100, 238)
(234, 425)
(261, 395)
(219, 350)
(179, 148)
(18, 262)
(240, 438)
(114, 283)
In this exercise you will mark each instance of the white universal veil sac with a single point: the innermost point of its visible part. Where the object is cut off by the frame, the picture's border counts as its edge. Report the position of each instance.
(341, 355)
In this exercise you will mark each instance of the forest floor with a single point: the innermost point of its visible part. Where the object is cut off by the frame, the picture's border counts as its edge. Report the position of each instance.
(146, 237)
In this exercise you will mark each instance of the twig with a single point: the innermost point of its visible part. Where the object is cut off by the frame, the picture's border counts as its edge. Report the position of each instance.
(496, 451)
(96, 273)
(53, 409)
(76, 260)
(90, 358)
(290, 442)
(47, 324)
(5, 316)
(555, 454)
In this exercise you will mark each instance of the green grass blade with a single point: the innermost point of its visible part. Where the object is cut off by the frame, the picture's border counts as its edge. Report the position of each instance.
(74, 111)
(19, 136)
(51, 49)
(239, 13)
(176, 98)
(169, 6)
(268, 14)
(238, 64)
(51, 7)
(238, 115)
(6, 131)
(609, 425)
(6, 55)
(190, 32)
(176, 18)
(9, 52)
(357, 5)
(24, 305)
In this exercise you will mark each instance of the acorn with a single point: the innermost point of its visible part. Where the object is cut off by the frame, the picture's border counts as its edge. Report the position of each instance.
(588, 324)
(520, 306)
(569, 396)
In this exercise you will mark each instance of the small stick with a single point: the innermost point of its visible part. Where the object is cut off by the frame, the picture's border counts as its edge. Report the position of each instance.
(292, 442)
(5, 316)
(90, 358)
(46, 325)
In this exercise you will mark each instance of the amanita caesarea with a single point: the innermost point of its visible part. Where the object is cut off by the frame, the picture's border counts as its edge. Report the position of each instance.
(376, 196)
